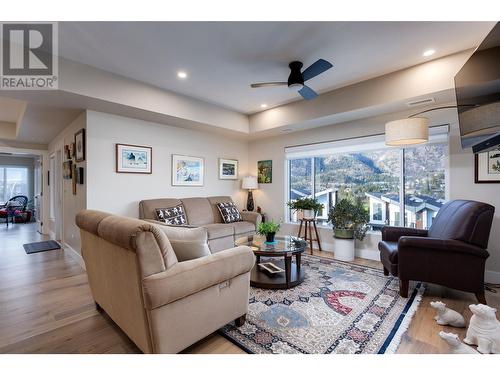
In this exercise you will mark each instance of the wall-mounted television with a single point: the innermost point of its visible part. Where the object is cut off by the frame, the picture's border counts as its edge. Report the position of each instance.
(477, 88)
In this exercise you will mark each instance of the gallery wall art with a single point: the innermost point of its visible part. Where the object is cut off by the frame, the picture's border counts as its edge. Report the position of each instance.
(133, 159)
(487, 167)
(78, 148)
(187, 170)
(265, 171)
(228, 169)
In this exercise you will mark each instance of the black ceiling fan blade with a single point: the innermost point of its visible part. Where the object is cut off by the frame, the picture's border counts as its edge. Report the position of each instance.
(268, 84)
(307, 93)
(316, 68)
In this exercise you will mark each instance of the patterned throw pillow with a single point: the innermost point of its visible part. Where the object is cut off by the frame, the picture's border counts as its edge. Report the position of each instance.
(172, 216)
(229, 212)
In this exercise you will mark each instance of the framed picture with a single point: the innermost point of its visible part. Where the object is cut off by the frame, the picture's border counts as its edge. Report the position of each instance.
(265, 171)
(228, 169)
(487, 167)
(79, 147)
(67, 169)
(79, 175)
(73, 179)
(187, 170)
(133, 159)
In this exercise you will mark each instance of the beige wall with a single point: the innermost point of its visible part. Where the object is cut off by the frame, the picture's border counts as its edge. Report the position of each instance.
(71, 204)
(120, 193)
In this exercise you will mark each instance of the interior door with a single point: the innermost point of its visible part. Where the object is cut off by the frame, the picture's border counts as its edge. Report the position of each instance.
(38, 193)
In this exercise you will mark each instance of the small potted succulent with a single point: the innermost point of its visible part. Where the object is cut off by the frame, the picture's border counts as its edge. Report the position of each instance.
(349, 220)
(268, 229)
(309, 207)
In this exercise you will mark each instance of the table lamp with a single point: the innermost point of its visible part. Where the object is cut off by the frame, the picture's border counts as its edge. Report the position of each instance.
(250, 183)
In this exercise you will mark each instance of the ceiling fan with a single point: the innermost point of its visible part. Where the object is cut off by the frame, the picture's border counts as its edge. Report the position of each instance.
(297, 78)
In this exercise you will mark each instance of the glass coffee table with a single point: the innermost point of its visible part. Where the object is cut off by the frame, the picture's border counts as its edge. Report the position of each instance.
(280, 253)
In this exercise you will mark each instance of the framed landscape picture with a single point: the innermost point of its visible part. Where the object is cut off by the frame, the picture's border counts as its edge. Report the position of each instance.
(265, 171)
(133, 159)
(79, 146)
(187, 170)
(228, 169)
(487, 167)
(67, 169)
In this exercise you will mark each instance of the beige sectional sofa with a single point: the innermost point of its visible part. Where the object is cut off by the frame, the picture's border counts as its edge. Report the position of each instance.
(163, 305)
(203, 212)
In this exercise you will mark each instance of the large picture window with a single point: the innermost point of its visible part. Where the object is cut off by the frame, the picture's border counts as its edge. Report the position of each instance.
(387, 181)
(13, 181)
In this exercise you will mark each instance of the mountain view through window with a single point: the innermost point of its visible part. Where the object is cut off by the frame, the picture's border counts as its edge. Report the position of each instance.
(374, 178)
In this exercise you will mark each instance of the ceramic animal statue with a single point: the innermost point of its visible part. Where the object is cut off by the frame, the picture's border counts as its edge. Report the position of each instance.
(456, 346)
(446, 316)
(484, 329)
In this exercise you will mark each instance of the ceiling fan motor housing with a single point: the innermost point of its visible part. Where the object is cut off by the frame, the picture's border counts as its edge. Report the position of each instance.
(295, 79)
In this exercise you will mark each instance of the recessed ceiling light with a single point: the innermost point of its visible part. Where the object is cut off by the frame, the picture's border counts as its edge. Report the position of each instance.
(263, 105)
(429, 52)
(182, 75)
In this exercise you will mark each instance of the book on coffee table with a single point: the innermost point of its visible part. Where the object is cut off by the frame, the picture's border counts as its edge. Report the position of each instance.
(271, 268)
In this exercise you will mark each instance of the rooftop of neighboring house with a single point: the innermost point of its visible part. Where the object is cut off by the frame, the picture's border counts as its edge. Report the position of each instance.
(416, 202)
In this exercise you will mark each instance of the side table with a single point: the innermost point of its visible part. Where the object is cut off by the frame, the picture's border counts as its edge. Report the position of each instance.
(308, 225)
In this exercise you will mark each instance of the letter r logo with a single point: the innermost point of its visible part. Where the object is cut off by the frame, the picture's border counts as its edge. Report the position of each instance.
(27, 49)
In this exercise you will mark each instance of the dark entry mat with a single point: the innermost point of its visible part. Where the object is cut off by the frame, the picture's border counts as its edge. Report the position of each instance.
(37, 247)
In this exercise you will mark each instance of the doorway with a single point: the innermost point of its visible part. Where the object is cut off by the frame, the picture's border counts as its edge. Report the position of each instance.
(55, 195)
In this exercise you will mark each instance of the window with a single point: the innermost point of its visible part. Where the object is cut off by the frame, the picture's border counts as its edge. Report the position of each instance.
(13, 181)
(375, 175)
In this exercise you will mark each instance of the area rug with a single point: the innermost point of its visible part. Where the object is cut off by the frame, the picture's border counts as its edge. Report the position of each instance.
(339, 308)
(38, 247)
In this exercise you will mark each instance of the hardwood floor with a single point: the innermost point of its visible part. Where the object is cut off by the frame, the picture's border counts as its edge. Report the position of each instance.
(46, 307)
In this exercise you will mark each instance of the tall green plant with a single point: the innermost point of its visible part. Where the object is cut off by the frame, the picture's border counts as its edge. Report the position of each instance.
(349, 215)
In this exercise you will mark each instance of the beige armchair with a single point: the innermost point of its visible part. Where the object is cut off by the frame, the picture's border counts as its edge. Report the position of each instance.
(163, 305)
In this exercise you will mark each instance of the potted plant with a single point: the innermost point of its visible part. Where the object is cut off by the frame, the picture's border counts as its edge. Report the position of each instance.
(350, 221)
(308, 206)
(268, 229)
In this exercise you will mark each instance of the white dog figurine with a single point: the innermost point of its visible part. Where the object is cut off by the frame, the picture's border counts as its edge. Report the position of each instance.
(456, 346)
(484, 329)
(446, 316)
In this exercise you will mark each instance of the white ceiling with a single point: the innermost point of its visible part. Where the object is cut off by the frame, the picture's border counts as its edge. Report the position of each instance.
(223, 58)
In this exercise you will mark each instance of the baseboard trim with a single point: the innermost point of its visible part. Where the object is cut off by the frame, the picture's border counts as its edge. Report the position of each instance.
(74, 254)
(492, 277)
(368, 254)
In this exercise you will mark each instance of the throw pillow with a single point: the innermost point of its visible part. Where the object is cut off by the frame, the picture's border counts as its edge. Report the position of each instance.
(188, 243)
(172, 216)
(229, 212)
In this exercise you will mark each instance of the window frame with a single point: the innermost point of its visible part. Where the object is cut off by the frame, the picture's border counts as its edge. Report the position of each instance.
(440, 136)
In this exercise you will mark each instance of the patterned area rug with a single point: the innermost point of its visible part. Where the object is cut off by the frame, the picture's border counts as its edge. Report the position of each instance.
(339, 308)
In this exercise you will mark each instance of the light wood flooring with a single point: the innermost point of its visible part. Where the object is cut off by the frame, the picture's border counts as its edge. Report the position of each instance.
(46, 307)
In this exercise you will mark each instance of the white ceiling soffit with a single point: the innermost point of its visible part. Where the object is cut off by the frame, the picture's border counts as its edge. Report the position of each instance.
(223, 58)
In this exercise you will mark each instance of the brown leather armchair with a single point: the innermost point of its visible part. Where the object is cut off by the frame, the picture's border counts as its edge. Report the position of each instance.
(451, 253)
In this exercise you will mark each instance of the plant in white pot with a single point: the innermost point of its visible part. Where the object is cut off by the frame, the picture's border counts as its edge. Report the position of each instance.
(350, 221)
(308, 208)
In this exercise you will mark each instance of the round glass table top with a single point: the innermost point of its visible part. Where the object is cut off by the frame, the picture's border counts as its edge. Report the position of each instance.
(282, 244)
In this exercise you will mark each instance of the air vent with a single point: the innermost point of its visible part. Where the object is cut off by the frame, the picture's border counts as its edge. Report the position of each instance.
(419, 102)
